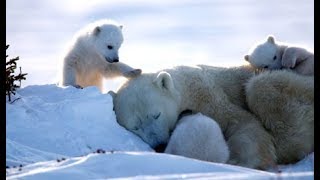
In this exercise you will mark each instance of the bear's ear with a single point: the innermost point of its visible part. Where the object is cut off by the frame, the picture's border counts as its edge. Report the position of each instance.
(121, 27)
(96, 30)
(164, 81)
(113, 94)
(271, 39)
(246, 57)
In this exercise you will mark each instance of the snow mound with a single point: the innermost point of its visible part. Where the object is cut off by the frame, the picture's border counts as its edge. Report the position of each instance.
(135, 165)
(53, 132)
(48, 122)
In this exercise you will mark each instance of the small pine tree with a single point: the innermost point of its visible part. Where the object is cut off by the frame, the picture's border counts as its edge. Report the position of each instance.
(11, 78)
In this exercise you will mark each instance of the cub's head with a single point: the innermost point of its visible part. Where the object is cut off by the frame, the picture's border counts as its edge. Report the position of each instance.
(265, 55)
(107, 38)
(148, 106)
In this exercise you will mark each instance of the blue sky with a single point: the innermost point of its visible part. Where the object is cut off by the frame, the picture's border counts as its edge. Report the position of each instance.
(157, 33)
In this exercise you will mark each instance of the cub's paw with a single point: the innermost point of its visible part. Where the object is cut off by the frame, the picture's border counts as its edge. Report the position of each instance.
(133, 73)
(78, 86)
(288, 62)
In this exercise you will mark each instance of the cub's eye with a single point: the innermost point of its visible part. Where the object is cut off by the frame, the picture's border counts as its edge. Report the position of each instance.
(156, 116)
(136, 128)
(110, 47)
(275, 57)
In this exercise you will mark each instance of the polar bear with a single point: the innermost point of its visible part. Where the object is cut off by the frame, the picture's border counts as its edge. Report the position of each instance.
(266, 54)
(93, 55)
(276, 127)
(199, 137)
(299, 60)
(277, 55)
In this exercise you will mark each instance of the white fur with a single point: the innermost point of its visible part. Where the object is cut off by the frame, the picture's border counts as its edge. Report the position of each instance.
(200, 137)
(266, 54)
(89, 59)
(299, 60)
(277, 55)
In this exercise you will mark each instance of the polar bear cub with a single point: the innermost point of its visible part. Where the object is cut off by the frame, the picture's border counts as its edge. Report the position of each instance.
(93, 55)
(199, 137)
(267, 54)
(299, 60)
(278, 55)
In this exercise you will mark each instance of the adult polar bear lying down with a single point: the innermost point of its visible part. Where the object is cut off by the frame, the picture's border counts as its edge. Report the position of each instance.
(266, 119)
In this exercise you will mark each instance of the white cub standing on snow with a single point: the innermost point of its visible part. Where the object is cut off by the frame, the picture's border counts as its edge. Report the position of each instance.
(199, 137)
(93, 56)
(277, 55)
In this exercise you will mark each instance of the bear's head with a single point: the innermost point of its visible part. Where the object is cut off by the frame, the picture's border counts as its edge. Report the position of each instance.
(148, 106)
(265, 55)
(107, 39)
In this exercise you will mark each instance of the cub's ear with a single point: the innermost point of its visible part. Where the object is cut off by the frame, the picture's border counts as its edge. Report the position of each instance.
(164, 81)
(96, 30)
(246, 57)
(271, 39)
(121, 27)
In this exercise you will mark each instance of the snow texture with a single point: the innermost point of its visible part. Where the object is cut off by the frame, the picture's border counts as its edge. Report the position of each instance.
(54, 133)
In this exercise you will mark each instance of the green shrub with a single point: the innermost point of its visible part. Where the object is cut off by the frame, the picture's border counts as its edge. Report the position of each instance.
(11, 78)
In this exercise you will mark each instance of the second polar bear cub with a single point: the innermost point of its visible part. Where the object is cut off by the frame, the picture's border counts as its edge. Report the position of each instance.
(93, 55)
(279, 55)
(199, 137)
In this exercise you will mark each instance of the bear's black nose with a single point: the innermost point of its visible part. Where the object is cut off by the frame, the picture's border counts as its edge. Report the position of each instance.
(116, 60)
(160, 148)
(266, 67)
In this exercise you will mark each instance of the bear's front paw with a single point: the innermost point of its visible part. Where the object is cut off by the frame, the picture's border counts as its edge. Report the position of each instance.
(133, 73)
(288, 62)
(78, 86)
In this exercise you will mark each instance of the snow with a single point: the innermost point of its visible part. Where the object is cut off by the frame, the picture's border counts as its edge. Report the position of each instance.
(62, 122)
(46, 123)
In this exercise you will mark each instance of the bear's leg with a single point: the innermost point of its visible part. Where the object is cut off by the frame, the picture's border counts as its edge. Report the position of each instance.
(251, 146)
(69, 76)
(306, 67)
(249, 143)
(284, 102)
(289, 58)
(120, 69)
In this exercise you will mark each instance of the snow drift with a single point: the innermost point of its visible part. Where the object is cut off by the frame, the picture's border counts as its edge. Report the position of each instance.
(55, 132)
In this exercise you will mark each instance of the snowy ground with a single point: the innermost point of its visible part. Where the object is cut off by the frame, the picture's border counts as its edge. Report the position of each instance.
(48, 123)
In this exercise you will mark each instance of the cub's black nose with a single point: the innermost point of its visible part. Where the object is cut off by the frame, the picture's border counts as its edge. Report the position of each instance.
(116, 60)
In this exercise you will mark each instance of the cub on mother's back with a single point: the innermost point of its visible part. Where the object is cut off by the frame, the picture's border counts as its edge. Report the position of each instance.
(272, 55)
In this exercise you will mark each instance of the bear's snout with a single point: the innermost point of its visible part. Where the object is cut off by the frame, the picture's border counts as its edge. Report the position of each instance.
(112, 60)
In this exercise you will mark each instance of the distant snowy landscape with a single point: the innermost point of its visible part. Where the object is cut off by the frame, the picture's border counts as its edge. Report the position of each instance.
(70, 133)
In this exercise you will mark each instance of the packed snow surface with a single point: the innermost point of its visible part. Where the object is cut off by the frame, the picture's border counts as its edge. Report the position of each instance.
(55, 133)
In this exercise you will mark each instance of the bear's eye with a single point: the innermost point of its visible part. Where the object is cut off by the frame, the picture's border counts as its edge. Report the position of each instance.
(136, 128)
(110, 47)
(156, 116)
(275, 57)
